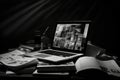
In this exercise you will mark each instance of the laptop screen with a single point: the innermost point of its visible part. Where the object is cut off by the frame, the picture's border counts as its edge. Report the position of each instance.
(70, 36)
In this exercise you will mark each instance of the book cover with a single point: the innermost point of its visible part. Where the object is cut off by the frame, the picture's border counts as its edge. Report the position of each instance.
(55, 68)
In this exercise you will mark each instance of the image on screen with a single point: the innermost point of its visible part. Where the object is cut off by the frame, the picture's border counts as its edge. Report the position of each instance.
(69, 36)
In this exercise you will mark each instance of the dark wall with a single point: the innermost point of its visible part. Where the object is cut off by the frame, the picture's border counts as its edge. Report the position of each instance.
(20, 18)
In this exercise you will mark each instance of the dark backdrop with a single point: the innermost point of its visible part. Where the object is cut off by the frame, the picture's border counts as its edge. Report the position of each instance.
(20, 18)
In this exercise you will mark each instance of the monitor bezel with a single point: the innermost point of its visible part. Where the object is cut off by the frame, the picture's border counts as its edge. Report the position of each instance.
(71, 22)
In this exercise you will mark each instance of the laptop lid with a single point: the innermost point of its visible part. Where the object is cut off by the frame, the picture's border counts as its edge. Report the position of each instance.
(70, 36)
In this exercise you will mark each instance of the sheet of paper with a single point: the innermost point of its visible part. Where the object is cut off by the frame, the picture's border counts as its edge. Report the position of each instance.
(54, 58)
(110, 66)
(14, 58)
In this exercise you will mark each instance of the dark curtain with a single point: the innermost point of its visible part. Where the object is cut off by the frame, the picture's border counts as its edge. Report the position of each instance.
(20, 18)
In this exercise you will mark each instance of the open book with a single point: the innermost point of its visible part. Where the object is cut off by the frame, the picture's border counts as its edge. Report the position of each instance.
(15, 60)
(108, 66)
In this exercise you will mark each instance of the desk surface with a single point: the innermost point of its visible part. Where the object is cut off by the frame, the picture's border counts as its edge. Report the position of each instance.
(43, 76)
(39, 76)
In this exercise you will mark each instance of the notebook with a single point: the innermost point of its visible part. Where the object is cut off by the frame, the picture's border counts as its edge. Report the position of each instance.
(69, 41)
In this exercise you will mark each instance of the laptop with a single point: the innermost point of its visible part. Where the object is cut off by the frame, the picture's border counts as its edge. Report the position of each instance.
(69, 40)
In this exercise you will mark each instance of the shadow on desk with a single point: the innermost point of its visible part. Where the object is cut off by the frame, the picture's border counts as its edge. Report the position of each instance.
(84, 75)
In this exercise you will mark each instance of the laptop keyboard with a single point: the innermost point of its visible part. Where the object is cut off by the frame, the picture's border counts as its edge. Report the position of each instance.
(57, 53)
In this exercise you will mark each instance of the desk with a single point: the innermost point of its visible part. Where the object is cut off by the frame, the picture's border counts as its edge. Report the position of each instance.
(49, 77)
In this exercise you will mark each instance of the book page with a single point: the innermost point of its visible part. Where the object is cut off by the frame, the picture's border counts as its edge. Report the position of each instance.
(110, 66)
(47, 65)
(86, 63)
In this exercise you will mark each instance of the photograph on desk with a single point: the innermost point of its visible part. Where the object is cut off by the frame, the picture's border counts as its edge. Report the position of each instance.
(67, 25)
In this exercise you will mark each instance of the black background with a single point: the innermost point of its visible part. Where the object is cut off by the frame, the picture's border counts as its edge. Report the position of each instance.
(18, 25)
